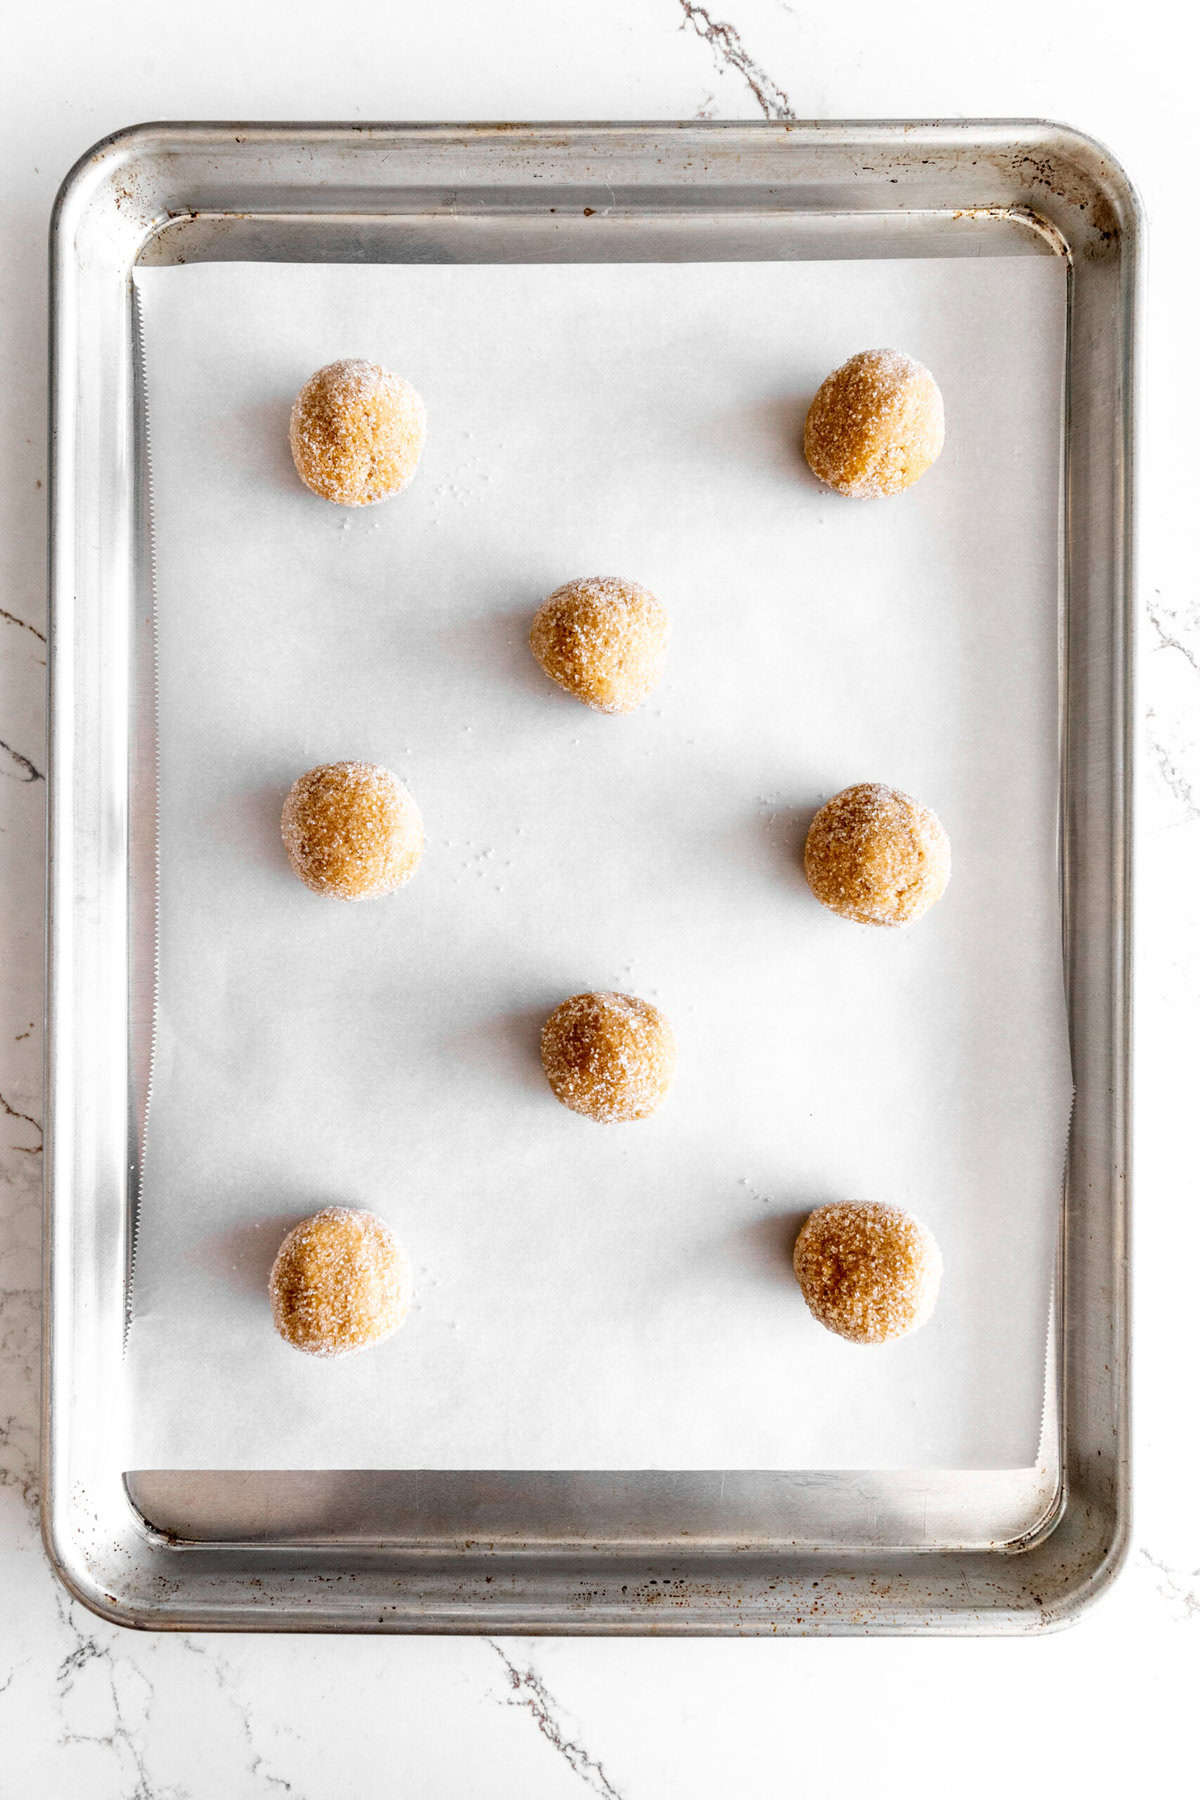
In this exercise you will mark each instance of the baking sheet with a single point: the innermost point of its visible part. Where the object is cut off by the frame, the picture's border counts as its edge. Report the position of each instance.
(591, 1298)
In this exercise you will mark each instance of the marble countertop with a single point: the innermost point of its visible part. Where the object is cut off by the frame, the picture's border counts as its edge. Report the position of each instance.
(89, 1710)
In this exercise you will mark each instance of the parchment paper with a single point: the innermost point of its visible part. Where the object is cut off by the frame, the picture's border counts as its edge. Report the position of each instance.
(586, 1296)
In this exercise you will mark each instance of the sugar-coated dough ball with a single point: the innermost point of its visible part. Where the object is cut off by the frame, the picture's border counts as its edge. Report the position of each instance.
(608, 1056)
(604, 640)
(357, 432)
(877, 856)
(869, 1272)
(875, 426)
(339, 1283)
(352, 830)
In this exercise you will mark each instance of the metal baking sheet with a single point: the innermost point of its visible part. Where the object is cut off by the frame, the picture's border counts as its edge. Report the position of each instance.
(952, 1551)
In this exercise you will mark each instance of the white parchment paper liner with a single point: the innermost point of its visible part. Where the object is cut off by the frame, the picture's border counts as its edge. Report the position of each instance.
(592, 1297)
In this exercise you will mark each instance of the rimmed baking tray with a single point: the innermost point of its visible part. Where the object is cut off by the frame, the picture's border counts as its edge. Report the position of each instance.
(819, 1551)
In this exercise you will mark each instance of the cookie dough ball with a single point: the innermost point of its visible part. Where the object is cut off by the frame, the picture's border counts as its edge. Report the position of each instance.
(869, 1272)
(352, 829)
(604, 640)
(877, 856)
(339, 1283)
(876, 425)
(608, 1056)
(357, 432)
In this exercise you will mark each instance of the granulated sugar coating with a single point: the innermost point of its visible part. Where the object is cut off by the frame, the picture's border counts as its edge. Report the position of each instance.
(357, 432)
(352, 830)
(339, 1283)
(869, 1272)
(604, 640)
(877, 856)
(875, 426)
(610, 1057)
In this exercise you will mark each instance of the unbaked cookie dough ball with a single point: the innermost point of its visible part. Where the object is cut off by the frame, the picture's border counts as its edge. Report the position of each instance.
(604, 640)
(875, 426)
(877, 856)
(340, 1282)
(869, 1272)
(608, 1056)
(357, 432)
(352, 830)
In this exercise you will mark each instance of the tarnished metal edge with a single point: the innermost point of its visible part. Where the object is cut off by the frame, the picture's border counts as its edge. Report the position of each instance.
(143, 835)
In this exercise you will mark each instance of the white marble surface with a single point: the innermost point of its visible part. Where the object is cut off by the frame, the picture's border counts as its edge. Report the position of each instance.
(91, 1711)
